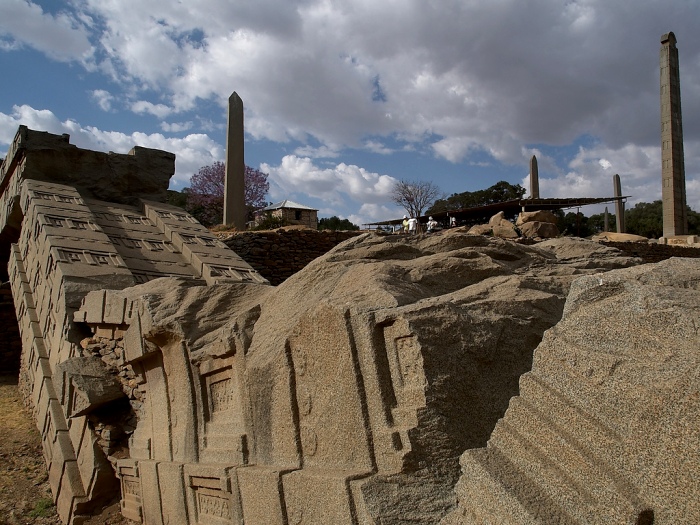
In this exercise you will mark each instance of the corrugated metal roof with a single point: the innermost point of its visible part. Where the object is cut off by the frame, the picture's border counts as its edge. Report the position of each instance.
(287, 204)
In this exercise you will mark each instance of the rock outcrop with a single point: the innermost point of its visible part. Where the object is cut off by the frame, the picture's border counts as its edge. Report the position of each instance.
(497, 226)
(540, 224)
(619, 237)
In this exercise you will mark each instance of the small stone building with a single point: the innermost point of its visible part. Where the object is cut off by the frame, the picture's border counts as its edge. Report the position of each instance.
(292, 212)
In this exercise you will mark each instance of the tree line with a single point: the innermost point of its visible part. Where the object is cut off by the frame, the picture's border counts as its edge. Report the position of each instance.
(645, 219)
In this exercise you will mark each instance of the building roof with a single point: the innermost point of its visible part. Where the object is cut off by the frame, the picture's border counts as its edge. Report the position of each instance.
(287, 204)
(512, 206)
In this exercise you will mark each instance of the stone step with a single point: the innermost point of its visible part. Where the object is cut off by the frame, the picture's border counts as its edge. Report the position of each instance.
(563, 412)
(493, 490)
(584, 484)
(586, 375)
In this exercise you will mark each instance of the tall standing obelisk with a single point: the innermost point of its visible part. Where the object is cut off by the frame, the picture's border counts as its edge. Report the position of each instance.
(619, 205)
(675, 216)
(534, 179)
(234, 183)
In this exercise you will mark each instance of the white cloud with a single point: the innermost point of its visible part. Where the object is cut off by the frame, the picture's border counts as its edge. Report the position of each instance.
(369, 213)
(176, 127)
(322, 152)
(335, 185)
(493, 82)
(377, 147)
(492, 77)
(103, 99)
(60, 36)
(453, 149)
(158, 110)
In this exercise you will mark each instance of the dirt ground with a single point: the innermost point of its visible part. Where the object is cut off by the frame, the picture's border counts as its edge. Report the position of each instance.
(25, 497)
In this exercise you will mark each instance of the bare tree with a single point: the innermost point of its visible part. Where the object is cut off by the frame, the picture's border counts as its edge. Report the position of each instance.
(414, 197)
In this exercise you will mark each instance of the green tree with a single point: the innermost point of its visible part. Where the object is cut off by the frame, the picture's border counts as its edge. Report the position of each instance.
(693, 222)
(500, 192)
(574, 224)
(596, 222)
(336, 223)
(645, 219)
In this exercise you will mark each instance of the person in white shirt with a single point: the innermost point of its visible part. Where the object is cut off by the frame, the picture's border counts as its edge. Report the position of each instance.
(432, 224)
(412, 225)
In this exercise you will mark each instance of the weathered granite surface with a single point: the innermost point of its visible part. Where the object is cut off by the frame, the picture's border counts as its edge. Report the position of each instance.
(344, 395)
(606, 428)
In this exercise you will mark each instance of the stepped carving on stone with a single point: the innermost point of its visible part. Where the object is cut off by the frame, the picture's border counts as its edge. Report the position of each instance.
(605, 428)
(163, 370)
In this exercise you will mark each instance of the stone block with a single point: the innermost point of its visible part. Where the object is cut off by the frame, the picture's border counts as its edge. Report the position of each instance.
(212, 495)
(173, 496)
(95, 471)
(129, 472)
(93, 306)
(70, 492)
(261, 499)
(542, 230)
(333, 433)
(87, 385)
(42, 394)
(317, 497)
(62, 454)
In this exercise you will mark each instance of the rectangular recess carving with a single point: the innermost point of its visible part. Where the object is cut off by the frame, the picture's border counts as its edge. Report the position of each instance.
(131, 502)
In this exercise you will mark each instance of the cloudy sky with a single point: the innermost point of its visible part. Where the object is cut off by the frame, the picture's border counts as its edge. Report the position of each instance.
(344, 97)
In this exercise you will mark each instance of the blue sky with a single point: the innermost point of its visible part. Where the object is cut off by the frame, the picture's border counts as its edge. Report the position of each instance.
(344, 98)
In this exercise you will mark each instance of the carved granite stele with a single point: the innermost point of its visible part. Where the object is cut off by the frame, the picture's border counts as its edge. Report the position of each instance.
(163, 370)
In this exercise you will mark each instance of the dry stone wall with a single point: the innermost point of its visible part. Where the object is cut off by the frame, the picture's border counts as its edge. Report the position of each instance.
(651, 252)
(279, 254)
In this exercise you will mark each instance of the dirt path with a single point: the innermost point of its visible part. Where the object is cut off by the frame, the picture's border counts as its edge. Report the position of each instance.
(25, 497)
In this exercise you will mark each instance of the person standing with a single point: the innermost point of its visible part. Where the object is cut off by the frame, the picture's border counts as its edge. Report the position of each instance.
(405, 224)
(432, 225)
(412, 225)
